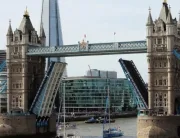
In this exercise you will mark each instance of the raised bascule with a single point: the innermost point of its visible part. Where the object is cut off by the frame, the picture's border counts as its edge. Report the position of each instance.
(31, 92)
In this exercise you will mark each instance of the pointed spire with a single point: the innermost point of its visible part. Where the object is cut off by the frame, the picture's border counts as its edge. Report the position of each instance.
(42, 33)
(169, 18)
(164, 11)
(165, 1)
(150, 20)
(26, 25)
(10, 32)
(26, 13)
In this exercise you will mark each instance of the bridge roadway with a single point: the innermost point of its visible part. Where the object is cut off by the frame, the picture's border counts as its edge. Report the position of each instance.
(86, 49)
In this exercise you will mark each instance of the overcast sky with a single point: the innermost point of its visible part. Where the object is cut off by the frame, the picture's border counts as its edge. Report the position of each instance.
(98, 19)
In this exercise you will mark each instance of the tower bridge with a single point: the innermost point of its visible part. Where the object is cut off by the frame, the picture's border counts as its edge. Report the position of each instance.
(30, 106)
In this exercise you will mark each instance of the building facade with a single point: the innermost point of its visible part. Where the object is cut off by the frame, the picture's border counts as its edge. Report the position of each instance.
(3, 82)
(162, 119)
(24, 74)
(88, 94)
(163, 66)
(102, 74)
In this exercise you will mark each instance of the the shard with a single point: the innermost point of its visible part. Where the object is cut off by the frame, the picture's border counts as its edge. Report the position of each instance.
(50, 19)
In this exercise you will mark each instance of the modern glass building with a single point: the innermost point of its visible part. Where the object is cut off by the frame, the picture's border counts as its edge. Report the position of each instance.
(50, 19)
(3, 79)
(88, 94)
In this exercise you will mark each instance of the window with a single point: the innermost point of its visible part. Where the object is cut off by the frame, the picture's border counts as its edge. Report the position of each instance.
(160, 65)
(165, 82)
(156, 82)
(17, 85)
(159, 41)
(16, 49)
(164, 64)
(160, 82)
(16, 38)
(16, 100)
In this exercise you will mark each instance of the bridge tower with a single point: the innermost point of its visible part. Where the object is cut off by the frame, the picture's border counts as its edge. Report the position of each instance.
(24, 74)
(163, 37)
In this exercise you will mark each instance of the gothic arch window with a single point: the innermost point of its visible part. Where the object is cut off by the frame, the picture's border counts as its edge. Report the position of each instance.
(159, 41)
(165, 82)
(30, 36)
(160, 82)
(165, 64)
(16, 38)
(15, 49)
(156, 82)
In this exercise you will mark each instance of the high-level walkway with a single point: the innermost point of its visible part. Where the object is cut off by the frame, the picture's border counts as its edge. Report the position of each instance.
(86, 49)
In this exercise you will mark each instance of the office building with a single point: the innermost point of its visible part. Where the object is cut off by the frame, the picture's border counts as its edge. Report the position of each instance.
(88, 94)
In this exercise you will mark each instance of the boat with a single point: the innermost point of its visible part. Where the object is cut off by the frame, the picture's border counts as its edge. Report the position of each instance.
(92, 120)
(67, 126)
(107, 120)
(110, 132)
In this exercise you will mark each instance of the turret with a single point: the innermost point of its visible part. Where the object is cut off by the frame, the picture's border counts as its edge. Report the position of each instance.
(29, 34)
(170, 31)
(42, 36)
(9, 34)
(149, 31)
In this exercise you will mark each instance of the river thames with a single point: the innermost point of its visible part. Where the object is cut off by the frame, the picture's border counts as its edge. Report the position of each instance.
(127, 125)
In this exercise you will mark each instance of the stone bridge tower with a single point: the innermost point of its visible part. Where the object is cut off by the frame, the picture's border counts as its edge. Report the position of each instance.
(24, 73)
(163, 36)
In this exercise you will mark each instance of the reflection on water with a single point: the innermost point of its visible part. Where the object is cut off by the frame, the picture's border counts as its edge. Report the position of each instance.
(127, 125)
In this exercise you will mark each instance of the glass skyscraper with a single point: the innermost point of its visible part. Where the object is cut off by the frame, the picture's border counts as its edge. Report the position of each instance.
(50, 19)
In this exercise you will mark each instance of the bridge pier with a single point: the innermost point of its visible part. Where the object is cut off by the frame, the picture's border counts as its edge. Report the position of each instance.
(25, 126)
(158, 127)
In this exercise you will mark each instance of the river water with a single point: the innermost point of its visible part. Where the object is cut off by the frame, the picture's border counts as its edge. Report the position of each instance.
(127, 125)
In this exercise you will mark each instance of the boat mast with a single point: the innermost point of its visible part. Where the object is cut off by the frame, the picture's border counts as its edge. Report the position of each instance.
(64, 111)
(109, 107)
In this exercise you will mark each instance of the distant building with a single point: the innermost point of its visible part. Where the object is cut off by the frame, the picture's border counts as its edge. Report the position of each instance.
(102, 74)
(3, 94)
(3, 86)
(87, 94)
